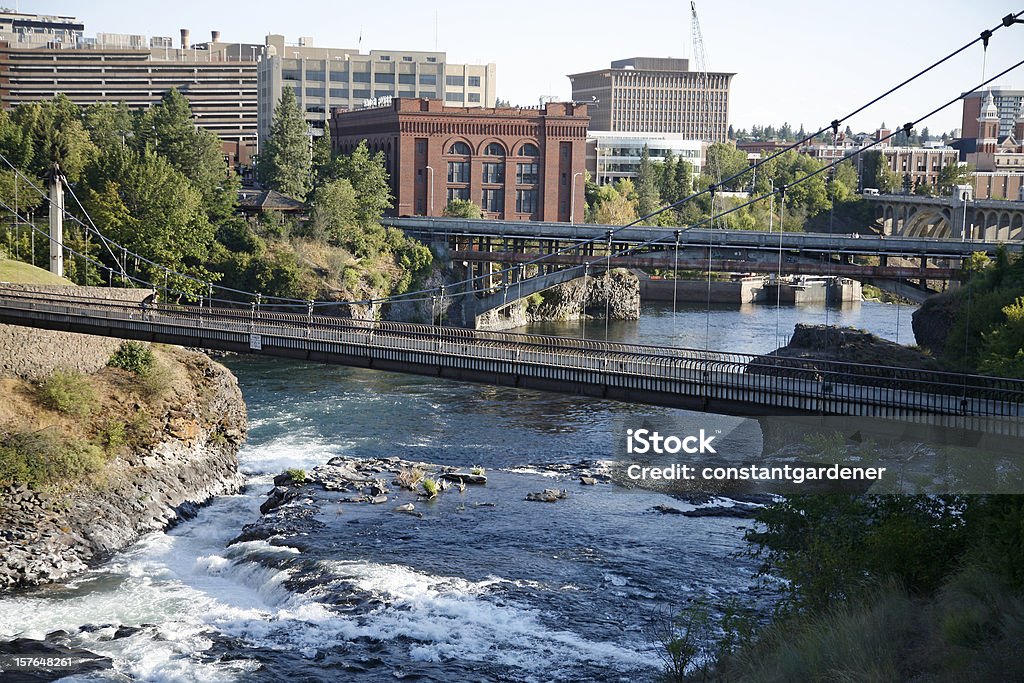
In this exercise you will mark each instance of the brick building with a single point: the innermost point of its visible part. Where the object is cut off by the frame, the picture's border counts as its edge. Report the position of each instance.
(514, 163)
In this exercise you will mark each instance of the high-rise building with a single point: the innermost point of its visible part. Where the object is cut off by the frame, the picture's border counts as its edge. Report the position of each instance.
(656, 95)
(326, 79)
(1007, 103)
(514, 163)
(217, 78)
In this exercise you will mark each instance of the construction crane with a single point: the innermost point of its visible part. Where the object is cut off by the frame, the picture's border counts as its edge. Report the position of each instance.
(700, 60)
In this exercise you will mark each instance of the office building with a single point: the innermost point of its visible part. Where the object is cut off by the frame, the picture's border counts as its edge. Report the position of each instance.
(656, 95)
(998, 159)
(514, 163)
(613, 156)
(326, 79)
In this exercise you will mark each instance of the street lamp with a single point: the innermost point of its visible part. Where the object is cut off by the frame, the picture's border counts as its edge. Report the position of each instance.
(771, 204)
(430, 200)
(572, 200)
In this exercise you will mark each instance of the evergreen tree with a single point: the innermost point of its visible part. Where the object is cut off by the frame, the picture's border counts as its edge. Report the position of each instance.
(285, 162)
(324, 168)
(648, 200)
(668, 184)
(368, 176)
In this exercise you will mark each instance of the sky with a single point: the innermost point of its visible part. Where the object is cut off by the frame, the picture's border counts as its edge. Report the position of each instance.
(795, 61)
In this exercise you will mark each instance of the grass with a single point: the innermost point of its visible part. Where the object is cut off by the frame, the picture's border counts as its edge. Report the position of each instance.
(25, 274)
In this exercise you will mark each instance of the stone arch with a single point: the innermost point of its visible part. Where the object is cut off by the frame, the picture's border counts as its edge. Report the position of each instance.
(487, 142)
(928, 222)
(457, 141)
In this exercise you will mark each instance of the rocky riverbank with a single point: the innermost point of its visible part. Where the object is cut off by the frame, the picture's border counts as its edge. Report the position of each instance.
(164, 449)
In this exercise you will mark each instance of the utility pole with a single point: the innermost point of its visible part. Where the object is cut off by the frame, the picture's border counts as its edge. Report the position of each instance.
(57, 221)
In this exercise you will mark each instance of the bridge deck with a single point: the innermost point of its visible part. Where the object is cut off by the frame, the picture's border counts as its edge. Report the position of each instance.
(682, 378)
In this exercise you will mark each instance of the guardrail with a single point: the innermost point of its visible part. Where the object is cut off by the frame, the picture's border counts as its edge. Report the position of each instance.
(709, 380)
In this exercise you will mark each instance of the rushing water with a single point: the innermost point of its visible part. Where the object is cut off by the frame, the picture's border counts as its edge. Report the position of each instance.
(472, 591)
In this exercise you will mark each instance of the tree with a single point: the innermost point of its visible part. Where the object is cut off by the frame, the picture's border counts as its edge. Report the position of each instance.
(613, 204)
(334, 211)
(369, 177)
(55, 132)
(139, 200)
(324, 168)
(110, 124)
(648, 200)
(725, 161)
(286, 161)
(462, 208)
(953, 174)
(684, 178)
(168, 127)
(877, 173)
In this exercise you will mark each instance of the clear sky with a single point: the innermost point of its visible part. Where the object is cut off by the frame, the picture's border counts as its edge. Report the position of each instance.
(796, 61)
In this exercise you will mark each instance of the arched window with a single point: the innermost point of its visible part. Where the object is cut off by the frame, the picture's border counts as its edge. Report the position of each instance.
(460, 148)
(494, 150)
(529, 150)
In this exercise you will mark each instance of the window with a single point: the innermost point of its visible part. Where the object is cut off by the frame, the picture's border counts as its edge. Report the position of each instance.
(340, 93)
(421, 146)
(494, 200)
(431, 59)
(360, 94)
(428, 94)
(407, 79)
(383, 93)
(406, 59)
(459, 148)
(385, 58)
(454, 80)
(474, 97)
(316, 75)
(453, 97)
(428, 79)
(474, 81)
(290, 75)
(458, 193)
(494, 173)
(494, 150)
(458, 171)
(314, 92)
(384, 78)
(361, 77)
(526, 174)
(529, 150)
(526, 201)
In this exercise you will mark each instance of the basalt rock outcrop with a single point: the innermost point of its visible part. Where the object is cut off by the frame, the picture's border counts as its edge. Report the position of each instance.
(824, 353)
(190, 456)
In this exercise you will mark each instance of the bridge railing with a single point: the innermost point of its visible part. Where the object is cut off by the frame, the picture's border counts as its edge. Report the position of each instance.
(710, 373)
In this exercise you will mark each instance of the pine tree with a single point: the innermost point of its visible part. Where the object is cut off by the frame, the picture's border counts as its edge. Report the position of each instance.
(647, 192)
(285, 162)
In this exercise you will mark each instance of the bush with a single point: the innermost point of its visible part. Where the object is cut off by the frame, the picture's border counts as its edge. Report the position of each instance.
(298, 476)
(45, 458)
(68, 392)
(134, 357)
(432, 487)
(112, 435)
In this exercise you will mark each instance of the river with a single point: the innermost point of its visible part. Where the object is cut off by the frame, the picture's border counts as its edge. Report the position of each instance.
(485, 586)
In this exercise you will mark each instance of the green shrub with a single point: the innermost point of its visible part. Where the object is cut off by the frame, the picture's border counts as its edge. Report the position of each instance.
(431, 486)
(68, 392)
(134, 357)
(298, 476)
(112, 435)
(156, 381)
(46, 458)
